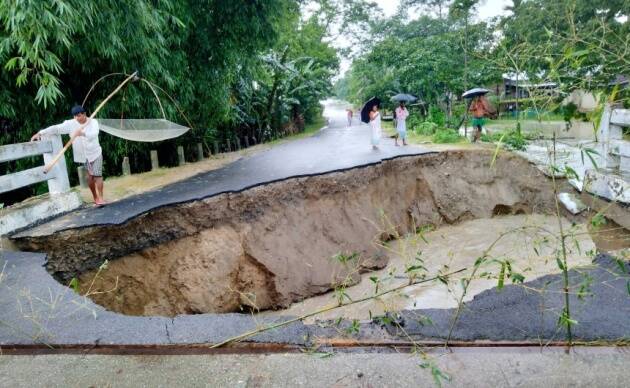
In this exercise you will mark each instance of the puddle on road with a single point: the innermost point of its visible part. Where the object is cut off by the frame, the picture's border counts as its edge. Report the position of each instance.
(530, 251)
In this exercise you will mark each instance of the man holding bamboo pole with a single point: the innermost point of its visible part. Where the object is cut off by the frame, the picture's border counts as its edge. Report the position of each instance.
(86, 149)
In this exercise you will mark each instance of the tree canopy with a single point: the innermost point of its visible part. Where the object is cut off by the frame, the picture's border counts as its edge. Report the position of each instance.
(444, 51)
(254, 68)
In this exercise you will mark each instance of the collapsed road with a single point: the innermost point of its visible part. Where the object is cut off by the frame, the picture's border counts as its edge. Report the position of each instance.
(191, 250)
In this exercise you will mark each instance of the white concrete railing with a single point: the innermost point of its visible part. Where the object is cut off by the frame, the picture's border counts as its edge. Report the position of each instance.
(49, 146)
(616, 151)
(612, 181)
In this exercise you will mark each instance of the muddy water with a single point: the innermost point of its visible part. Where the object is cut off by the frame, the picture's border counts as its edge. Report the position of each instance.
(610, 237)
(530, 248)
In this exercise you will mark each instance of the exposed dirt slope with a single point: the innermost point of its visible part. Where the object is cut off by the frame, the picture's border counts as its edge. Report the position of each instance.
(273, 245)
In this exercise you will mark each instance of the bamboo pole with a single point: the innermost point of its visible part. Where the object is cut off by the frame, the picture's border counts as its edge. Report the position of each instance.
(50, 165)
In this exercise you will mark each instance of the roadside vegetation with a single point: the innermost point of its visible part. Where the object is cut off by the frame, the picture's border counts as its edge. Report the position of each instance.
(570, 44)
(236, 69)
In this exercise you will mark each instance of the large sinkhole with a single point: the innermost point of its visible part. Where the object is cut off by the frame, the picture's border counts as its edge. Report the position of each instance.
(277, 244)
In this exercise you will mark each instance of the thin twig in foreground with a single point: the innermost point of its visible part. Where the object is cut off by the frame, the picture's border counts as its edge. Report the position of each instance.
(300, 318)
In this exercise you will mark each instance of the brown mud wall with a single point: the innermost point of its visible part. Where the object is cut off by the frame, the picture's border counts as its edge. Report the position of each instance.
(272, 245)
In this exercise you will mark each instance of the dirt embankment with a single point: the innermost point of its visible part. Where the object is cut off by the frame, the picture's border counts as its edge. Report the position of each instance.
(273, 245)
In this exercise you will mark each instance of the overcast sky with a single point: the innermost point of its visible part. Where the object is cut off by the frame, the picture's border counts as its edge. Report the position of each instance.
(487, 9)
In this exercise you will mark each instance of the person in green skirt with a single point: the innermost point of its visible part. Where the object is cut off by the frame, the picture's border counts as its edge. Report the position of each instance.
(480, 108)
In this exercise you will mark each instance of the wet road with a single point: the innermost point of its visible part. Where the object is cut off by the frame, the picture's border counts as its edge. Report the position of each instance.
(336, 147)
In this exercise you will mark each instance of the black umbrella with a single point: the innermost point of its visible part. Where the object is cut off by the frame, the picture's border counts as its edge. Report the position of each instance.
(475, 92)
(365, 111)
(403, 97)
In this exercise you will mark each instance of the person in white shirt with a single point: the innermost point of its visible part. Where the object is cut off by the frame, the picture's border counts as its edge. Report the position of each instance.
(401, 116)
(85, 147)
(375, 123)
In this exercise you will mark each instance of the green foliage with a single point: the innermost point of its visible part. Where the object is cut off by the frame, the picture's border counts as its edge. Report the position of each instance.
(424, 57)
(513, 139)
(438, 375)
(426, 128)
(598, 220)
(413, 121)
(74, 284)
(446, 135)
(354, 327)
(345, 258)
(506, 272)
(568, 112)
(250, 68)
(436, 116)
(417, 268)
(585, 286)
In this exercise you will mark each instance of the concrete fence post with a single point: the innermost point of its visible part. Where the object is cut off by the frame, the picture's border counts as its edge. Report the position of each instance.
(180, 155)
(126, 167)
(238, 144)
(246, 142)
(155, 164)
(199, 151)
(216, 147)
(83, 176)
(60, 182)
(229, 146)
(603, 136)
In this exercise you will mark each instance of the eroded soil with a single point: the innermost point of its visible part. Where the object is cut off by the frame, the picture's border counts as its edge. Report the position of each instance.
(276, 244)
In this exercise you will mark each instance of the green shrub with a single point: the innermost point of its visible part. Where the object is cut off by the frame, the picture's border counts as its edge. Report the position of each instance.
(426, 128)
(458, 110)
(446, 135)
(455, 120)
(512, 139)
(491, 138)
(413, 121)
(515, 141)
(436, 116)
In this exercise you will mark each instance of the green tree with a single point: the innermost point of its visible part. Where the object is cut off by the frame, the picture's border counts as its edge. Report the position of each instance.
(423, 57)
(202, 53)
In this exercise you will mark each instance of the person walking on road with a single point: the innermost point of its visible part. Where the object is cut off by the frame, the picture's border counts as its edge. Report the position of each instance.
(349, 114)
(85, 147)
(375, 123)
(480, 108)
(401, 116)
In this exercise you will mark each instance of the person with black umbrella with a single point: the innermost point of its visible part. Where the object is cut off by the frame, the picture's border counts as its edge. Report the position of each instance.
(480, 107)
(375, 123)
(401, 116)
(371, 115)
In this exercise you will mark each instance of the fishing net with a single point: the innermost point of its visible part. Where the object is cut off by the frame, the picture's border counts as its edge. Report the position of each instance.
(144, 130)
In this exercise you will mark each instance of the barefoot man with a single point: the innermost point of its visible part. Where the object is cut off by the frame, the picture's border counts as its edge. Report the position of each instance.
(480, 108)
(85, 148)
